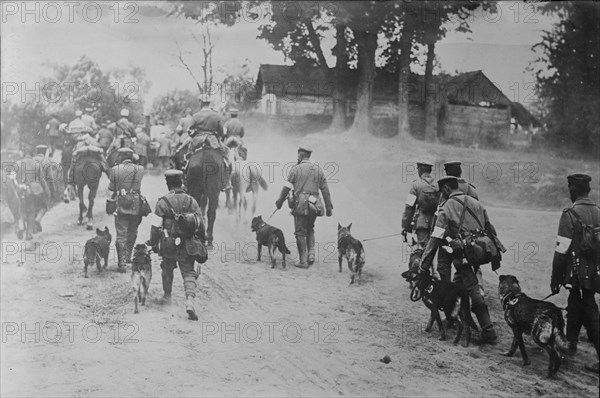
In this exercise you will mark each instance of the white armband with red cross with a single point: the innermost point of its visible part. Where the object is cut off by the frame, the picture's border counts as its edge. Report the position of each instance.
(411, 200)
(157, 221)
(562, 244)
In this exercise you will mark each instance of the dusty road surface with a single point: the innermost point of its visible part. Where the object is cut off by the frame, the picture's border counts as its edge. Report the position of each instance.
(272, 332)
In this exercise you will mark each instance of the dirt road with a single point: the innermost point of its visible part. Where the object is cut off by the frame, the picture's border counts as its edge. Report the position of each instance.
(263, 331)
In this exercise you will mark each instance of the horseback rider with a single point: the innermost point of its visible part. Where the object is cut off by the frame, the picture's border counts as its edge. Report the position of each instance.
(89, 120)
(206, 131)
(233, 128)
(175, 250)
(125, 180)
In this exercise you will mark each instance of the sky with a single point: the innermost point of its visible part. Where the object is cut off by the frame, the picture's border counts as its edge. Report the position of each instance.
(117, 35)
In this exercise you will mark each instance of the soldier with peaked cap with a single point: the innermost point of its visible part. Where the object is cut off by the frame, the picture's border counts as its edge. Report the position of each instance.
(444, 265)
(233, 127)
(34, 193)
(454, 204)
(306, 179)
(206, 131)
(126, 179)
(576, 268)
(89, 120)
(421, 204)
(174, 250)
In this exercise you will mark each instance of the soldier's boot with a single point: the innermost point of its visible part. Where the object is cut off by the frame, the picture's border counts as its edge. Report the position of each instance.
(121, 250)
(302, 252)
(190, 308)
(310, 243)
(488, 334)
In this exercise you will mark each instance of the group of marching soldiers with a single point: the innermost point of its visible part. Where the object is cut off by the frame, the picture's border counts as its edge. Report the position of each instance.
(438, 213)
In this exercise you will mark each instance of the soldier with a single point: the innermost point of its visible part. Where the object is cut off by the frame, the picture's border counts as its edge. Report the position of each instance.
(34, 194)
(451, 223)
(444, 266)
(164, 150)
(77, 125)
(576, 268)
(184, 123)
(126, 179)
(174, 250)
(142, 143)
(52, 128)
(306, 179)
(124, 133)
(421, 204)
(49, 170)
(207, 131)
(89, 120)
(233, 127)
(105, 136)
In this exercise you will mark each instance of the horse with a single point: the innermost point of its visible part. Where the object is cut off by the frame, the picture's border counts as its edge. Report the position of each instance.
(204, 181)
(245, 177)
(87, 171)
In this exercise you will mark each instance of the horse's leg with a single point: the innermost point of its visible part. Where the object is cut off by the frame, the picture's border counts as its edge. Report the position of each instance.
(82, 208)
(203, 203)
(213, 201)
(90, 214)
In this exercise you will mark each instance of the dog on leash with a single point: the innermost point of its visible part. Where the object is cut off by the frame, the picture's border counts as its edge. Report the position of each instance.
(449, 297)
(141, 275)
(271, 237)
(96, 249)
(540, 319)
(352, 250)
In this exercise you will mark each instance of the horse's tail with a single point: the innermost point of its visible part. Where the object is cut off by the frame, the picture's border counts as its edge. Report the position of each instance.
(263, 183)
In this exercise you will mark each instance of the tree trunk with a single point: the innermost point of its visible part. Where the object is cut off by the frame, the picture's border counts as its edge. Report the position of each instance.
(338, 121)
(430, 96)
(403, 79)
(366, 44)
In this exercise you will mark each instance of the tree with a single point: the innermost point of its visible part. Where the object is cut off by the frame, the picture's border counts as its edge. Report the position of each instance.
(171, 106)
(568, 76)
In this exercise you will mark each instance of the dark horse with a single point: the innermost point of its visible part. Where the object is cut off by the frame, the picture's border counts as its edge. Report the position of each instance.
(204, 181)
(87, 171)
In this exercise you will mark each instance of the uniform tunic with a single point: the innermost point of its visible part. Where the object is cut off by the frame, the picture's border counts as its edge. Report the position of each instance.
(423, 220)
(308, 178)
(126, 176)
(582, 309)
(234, 127)
(184, 254)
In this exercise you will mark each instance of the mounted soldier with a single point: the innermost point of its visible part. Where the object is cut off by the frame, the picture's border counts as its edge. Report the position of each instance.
(206, 131)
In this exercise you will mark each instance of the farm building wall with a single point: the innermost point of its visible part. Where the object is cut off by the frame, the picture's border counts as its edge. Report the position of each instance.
(467, 125)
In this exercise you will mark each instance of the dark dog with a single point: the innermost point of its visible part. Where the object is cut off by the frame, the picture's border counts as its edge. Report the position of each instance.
(540, 319)
(351, 249)
(97, 248)
(447, 296)
(271, 237)
(141, 275)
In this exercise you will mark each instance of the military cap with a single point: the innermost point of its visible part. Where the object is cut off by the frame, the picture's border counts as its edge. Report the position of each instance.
(304, 149)
(78, 113)
(446, 180)
(89, 110)
(452, 163)
(173, 173)
(41, 147)
(233, 111)
(125, 112)
(424, 164)
(579, 177)
(125, 150)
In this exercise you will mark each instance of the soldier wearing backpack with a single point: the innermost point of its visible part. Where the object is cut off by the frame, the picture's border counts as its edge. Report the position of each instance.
(576, 262)
(178, 236)
(126, 182)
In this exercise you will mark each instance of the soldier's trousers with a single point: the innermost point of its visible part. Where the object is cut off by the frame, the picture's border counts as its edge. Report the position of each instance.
(444, 267)
(303, 225)
(582, 310)
(465, 276)
(126, 226)
(188, 273)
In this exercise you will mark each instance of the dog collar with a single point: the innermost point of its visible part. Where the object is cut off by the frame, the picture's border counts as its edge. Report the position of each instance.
(510, 299)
